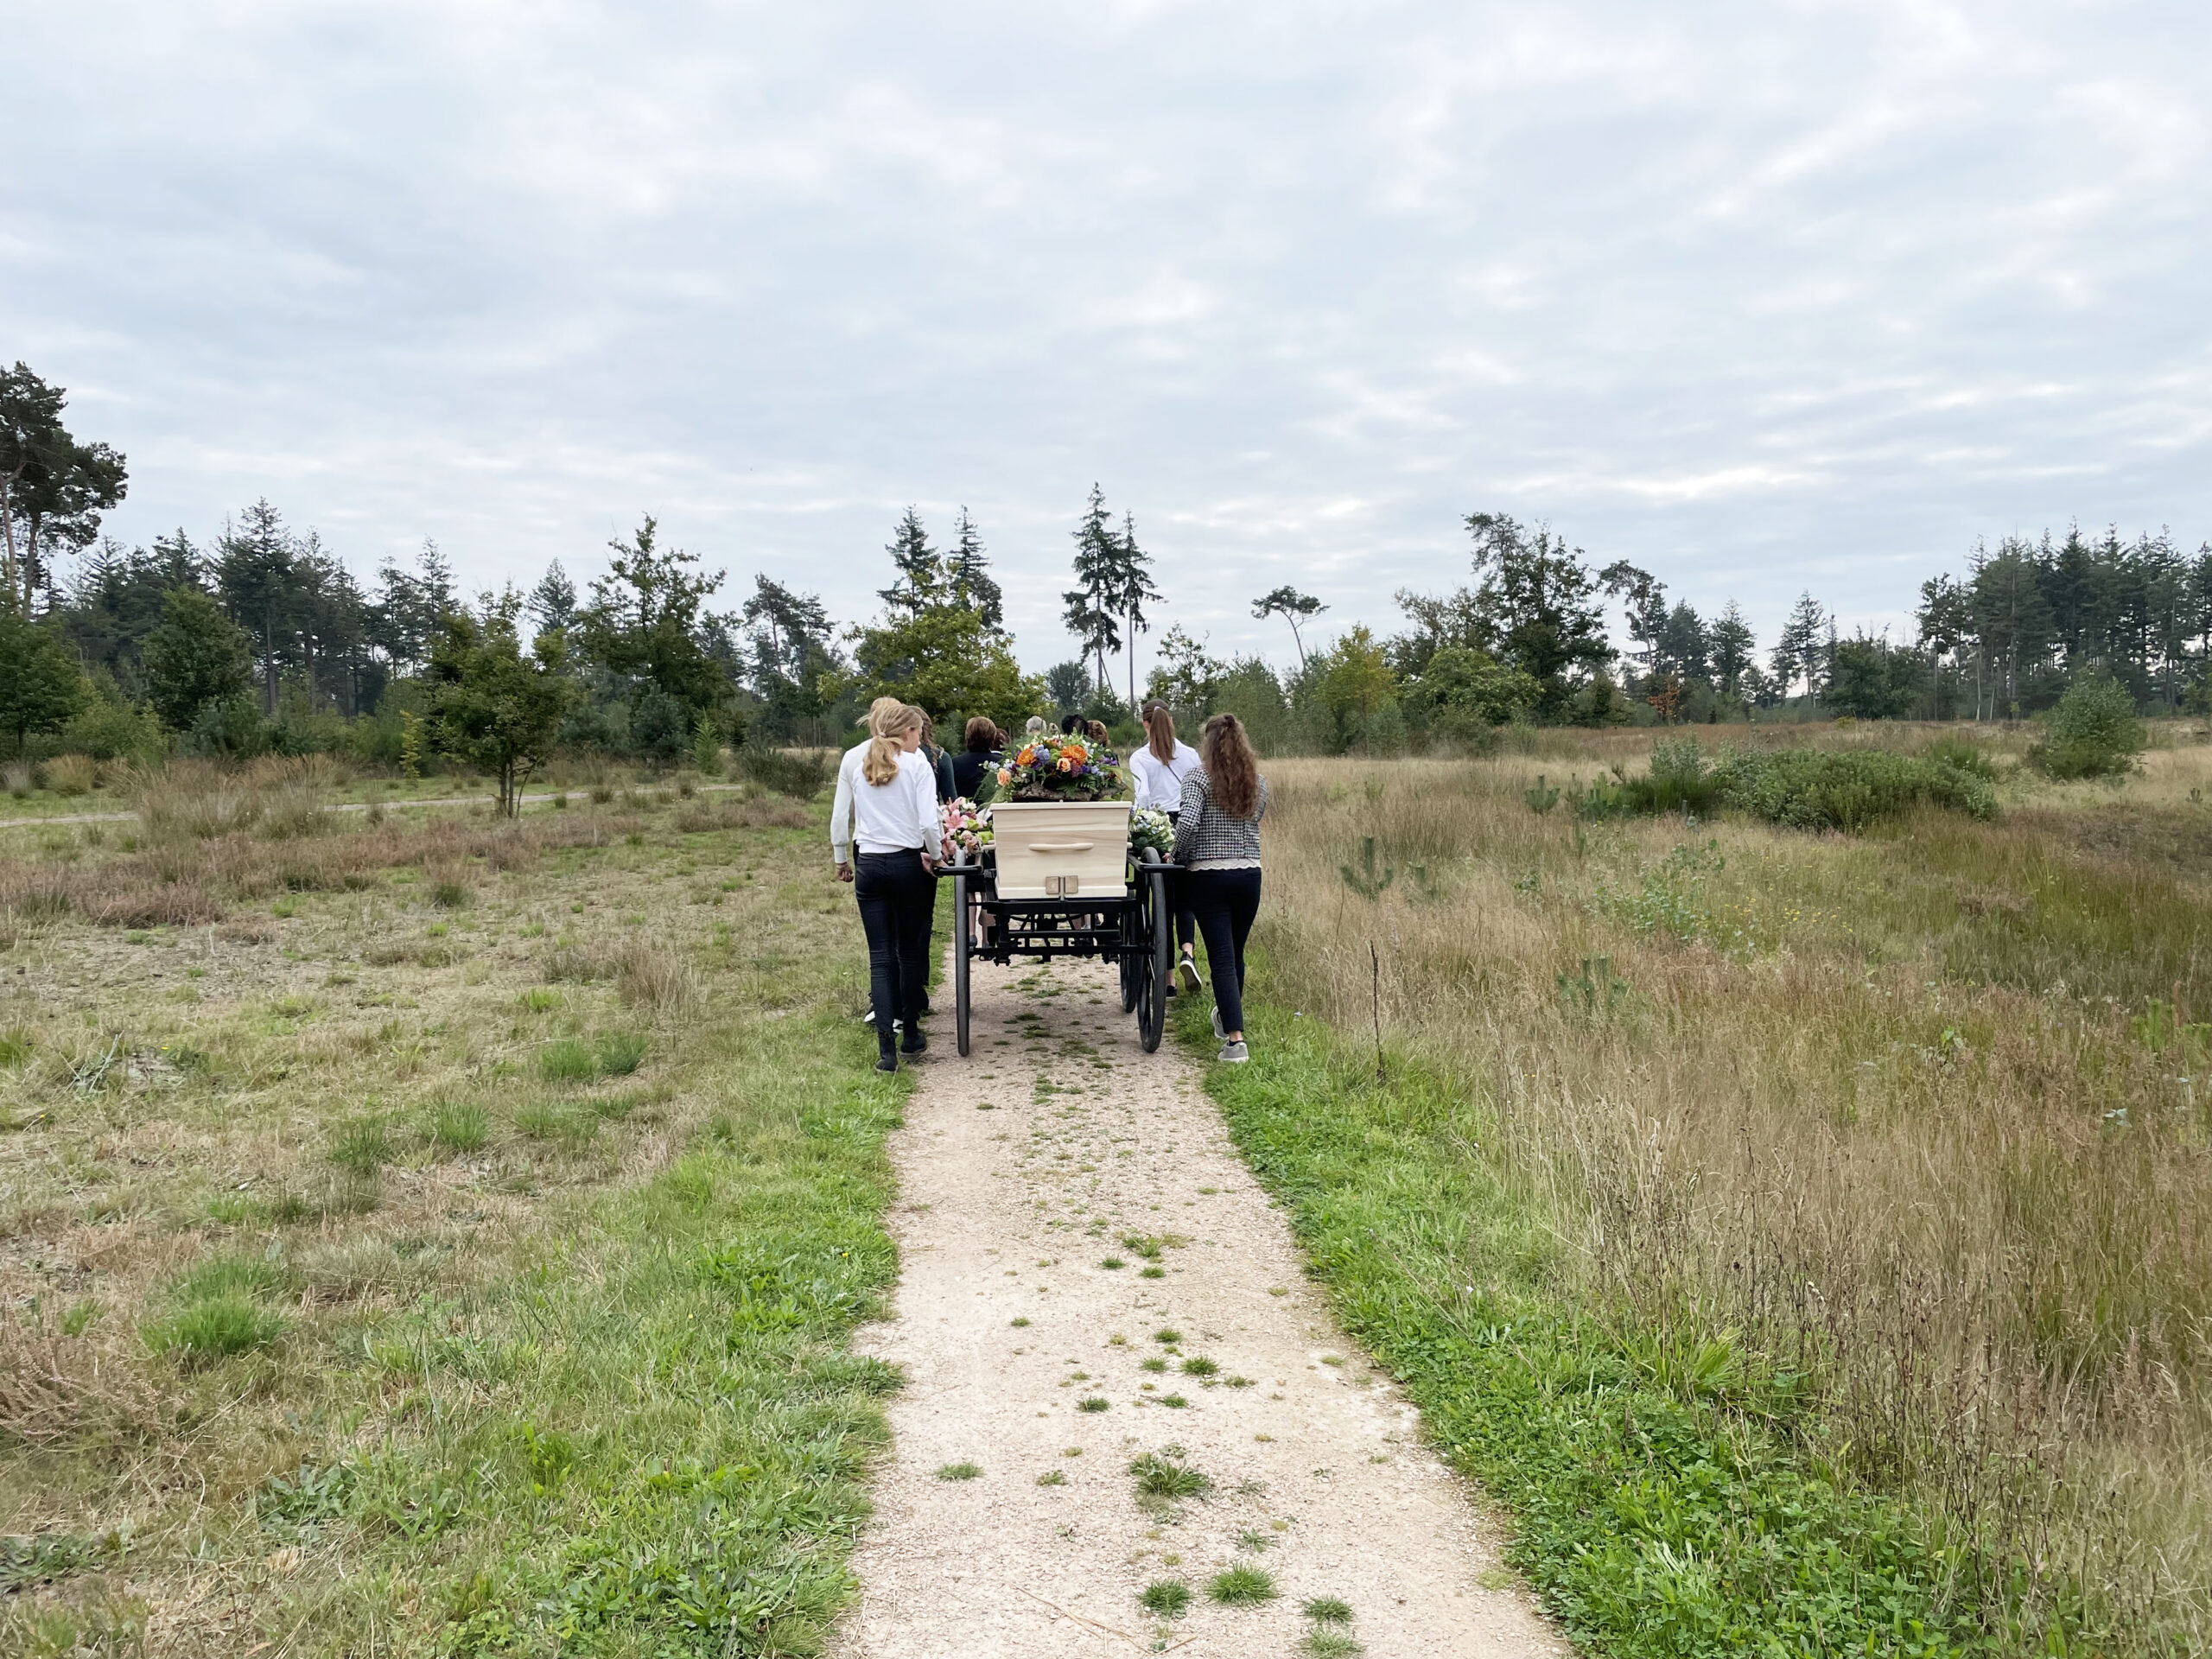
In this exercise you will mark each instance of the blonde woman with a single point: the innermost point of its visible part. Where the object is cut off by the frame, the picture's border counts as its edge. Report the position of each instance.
(1217, 844)
(1159, 770)
(897, 838)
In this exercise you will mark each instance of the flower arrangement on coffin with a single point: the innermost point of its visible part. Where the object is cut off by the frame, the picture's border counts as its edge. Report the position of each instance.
(1150, 827)
(1064, 768)
(967, 826)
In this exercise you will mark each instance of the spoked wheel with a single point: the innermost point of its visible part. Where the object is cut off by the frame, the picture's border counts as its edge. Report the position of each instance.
(963, 946)
(1158, 960)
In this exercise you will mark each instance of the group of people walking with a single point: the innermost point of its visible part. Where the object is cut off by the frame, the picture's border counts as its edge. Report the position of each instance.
(887, 838)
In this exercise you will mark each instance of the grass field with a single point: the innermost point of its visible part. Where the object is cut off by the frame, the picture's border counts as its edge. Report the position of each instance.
(1881, 1161)
(434, 1236)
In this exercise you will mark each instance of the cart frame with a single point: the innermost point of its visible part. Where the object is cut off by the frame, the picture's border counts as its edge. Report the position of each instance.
(1134, 930)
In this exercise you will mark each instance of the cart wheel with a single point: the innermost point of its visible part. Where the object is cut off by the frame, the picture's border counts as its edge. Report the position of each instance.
(1158, 961)
(963, 946)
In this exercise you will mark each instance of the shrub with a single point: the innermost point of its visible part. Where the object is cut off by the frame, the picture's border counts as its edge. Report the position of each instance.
(795, 772)
(1805, 789)
(2094, 731)
(193, 800)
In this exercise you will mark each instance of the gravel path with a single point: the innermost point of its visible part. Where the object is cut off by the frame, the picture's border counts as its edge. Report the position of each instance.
(1057, 1147)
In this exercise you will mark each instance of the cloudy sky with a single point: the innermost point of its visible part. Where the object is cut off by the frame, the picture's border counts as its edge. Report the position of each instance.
(1763, 296)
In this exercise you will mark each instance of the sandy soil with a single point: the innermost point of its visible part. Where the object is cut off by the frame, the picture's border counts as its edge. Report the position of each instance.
(1024, 1168)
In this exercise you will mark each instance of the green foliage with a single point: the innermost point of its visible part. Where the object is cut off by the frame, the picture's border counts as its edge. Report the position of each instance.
(109, 726)
(231, 729)
(40, 685)
(1542, 797)
(1463, 692)
(1243, 1586)
(645, 626)
(1357, 687)
(957, 1472)
(2094, 731)
(198, 656)
(458, 1126)
(1868, 680)
(362, 1145)
(220, 1310)
(1165, 1474)
(945, 658)
(1660, 1514)
(1368, 882)
(1167, 1598)
(491, 706)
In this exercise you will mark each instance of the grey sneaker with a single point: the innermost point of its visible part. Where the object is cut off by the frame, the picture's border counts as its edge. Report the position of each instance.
(1233, 1054)
(1188, 968)
(1219, 1030)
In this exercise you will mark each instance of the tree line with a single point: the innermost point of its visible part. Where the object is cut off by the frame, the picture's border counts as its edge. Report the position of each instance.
(261, 639)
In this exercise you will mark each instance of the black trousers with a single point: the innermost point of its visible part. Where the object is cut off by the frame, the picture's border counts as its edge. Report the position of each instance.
(1224, 902)
(898, 900)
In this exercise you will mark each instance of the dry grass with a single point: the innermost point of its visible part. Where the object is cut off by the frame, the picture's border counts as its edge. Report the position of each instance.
(1912, 1116)
(357, 1169)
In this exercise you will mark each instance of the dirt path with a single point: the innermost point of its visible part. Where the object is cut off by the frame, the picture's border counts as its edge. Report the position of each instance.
(1022, 1170)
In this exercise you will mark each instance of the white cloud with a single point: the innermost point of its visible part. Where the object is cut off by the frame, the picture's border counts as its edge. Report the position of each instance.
(1742, 292)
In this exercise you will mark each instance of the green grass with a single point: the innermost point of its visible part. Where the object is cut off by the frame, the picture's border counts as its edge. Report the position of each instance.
(959, 1470)
(1243, 1586)
(459, 1126)
(1164, 1474)
(1652, 1520)
(1167, 1598)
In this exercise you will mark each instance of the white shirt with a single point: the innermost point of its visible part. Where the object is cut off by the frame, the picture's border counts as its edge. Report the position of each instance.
(1159, 783)
(840, 809)
(899, 816)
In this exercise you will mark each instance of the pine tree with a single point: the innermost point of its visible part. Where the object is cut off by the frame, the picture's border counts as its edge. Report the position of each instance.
(1092, 613)
(920, 579)
(553, 602)
(1797, 652)
(968, 571)
(1732, 643)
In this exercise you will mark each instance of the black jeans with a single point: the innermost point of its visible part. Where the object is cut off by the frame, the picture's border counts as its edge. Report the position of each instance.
(897, 900)
(1224, 902)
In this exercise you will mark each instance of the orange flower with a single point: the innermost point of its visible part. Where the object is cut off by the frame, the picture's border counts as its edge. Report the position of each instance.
(1027, 757)
(1005, 777)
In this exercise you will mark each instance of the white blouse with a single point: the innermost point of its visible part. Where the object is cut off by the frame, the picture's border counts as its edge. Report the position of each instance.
(901, 815)
(1159, 783)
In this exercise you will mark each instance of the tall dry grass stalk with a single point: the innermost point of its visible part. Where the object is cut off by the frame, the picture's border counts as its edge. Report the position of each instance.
(1897, 1115)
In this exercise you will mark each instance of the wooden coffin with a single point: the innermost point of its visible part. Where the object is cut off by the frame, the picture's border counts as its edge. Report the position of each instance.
(1060, 850)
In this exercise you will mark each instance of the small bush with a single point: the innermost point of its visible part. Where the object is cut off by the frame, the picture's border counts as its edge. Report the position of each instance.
(2094, 731)
(795, 772)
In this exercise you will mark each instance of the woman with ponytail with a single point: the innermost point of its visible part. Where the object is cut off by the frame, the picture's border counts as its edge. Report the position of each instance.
(897, 838)
(1159, 768)
(1217, 844)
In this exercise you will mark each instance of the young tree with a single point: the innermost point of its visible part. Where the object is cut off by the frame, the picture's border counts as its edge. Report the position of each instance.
(968, 574)
(53, 489)
(920, 579)
(1294, 609)
(644, 625)
(40, 685)
(1133, 589)
(1733, 648)
(1093, 613)
(492, 706)
(1439, 620)
(195, 657)
(946, 661)
(1682, 648)
(1868, 680)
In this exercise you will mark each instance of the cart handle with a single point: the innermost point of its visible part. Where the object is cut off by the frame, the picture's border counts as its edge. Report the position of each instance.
(1061, 846)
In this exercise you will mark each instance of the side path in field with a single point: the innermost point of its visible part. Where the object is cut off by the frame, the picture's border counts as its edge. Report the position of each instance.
(1090, 1277)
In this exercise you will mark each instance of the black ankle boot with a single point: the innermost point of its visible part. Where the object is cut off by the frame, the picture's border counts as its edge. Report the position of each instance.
(887, 1057)
(915, 1042)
